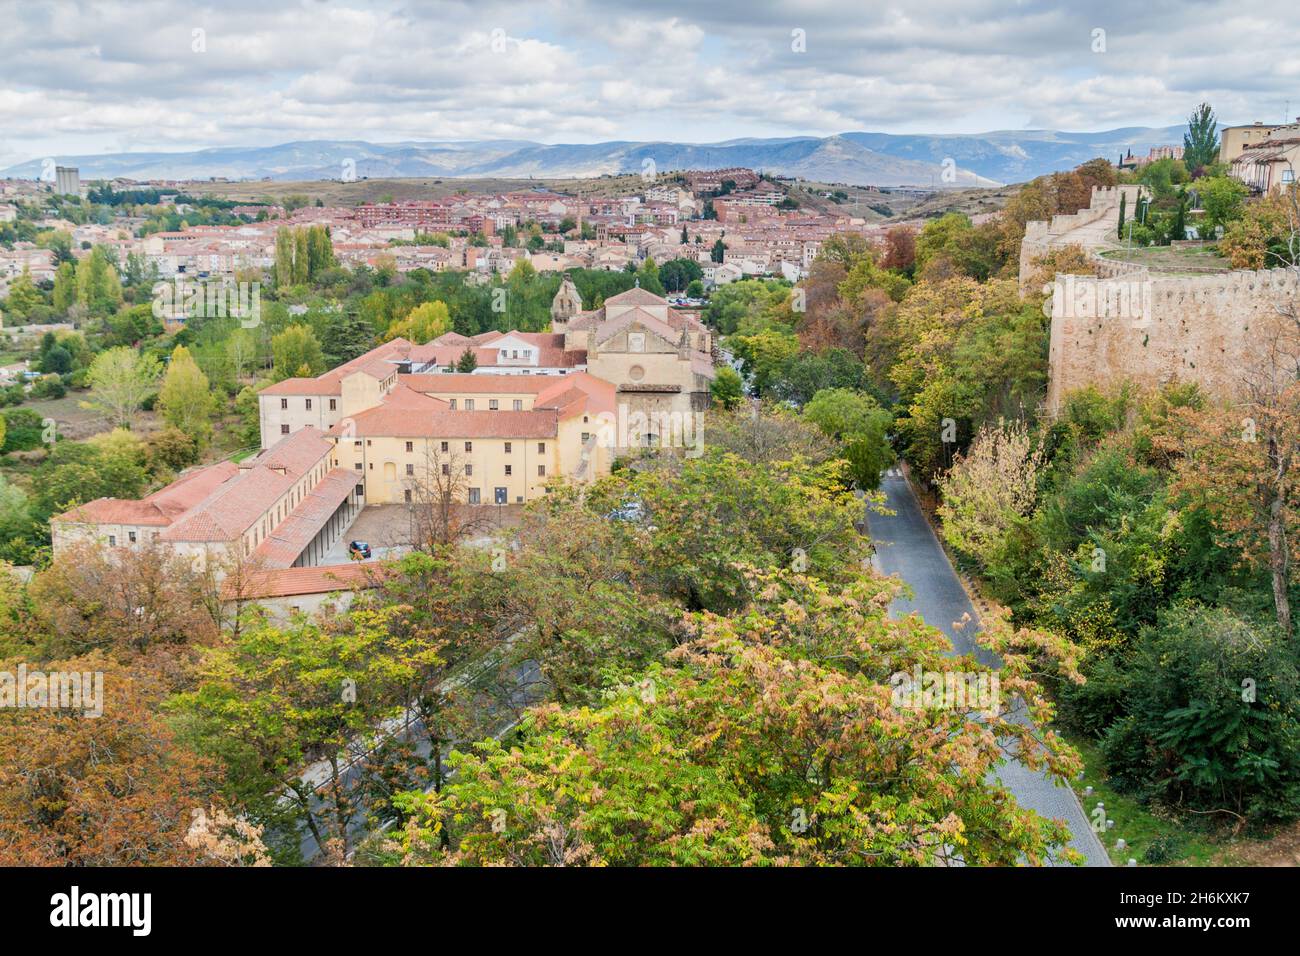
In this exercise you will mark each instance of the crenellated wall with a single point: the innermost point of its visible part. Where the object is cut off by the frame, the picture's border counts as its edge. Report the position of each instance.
(1152, 329)
(1129, 323)
(1091, 228)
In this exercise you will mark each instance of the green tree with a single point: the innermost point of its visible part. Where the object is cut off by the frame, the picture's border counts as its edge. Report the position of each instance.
(858, 422)
(296, 353)
(727, 388)
(422, 324)
(121, 380)
(99, 289)
(1223, 200)
(24, 297)
(185, 398)
(1201, 141)
(468, 361)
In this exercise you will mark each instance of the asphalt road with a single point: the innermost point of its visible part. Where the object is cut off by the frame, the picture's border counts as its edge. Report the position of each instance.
(907, 548)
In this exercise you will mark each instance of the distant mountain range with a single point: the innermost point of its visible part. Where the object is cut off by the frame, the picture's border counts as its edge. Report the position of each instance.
(860, 159)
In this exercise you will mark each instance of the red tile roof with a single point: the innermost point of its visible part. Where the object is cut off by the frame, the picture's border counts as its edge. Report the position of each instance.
(473, 382)
(232, 507)
(292, 535)
(160, 508)
(384, 421)
(379, 362)
(289, 582)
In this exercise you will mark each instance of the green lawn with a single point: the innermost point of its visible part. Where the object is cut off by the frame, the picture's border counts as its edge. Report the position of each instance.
(1138, 826)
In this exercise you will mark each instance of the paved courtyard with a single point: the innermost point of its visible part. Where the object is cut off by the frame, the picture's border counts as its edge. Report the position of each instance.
(387, 528)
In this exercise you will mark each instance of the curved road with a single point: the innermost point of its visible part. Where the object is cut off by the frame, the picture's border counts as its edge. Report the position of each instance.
(907, 548)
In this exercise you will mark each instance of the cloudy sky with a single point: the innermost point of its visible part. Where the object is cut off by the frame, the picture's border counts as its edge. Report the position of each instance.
(157, 74)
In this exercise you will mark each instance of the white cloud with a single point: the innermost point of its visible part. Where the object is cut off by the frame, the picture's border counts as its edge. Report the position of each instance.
(84, 77)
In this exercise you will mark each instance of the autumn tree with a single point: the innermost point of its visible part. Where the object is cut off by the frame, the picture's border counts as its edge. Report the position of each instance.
(92, 599)
(112, 790)
(776, 735)
(764, 432)
(991, 488)
(422, 324)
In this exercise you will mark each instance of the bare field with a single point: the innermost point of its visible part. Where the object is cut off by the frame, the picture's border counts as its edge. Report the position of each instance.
(335, 193)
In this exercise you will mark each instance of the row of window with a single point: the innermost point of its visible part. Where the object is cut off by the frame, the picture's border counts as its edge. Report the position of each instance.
(130, 536)
(334, 404)
(494, 404)
(500, 496)
(469, 446)
(446, 469)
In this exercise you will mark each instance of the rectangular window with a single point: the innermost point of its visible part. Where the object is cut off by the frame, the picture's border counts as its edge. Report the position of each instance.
(453, 404)
(410, 469)
(334, 404)
(130, 536)
(112, 541)
(469, 404)
(473, 496)
(541, 471)
(361, 491)
(493, 404)
(469, 469)
(509, 470)
(586, 437)
(410, 446)
(444, 446)
(284, 403)
(357, 443)
(469, 446)
(519, 404)
(507, 448)
(284, 429)
(357, 466)
(309, 404)
(407, 494)
(446, 468)
(541, 448)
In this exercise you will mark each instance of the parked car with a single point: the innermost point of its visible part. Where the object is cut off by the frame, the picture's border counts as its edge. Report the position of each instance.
(358, 550)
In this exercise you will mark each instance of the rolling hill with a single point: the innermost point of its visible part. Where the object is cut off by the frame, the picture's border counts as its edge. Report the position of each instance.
(858, 158)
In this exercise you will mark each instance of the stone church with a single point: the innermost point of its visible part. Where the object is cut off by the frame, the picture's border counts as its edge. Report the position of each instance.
(660, 359)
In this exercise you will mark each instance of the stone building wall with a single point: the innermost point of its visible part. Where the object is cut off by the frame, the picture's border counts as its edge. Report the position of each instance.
(1151, 330)
(1128, 323)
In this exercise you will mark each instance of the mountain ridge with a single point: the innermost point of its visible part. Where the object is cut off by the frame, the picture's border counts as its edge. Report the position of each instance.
(859, 158)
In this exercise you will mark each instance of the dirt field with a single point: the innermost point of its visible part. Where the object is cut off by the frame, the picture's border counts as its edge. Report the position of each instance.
(333, 193)
(79, 423)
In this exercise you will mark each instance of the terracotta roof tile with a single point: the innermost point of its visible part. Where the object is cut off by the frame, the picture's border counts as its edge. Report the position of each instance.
(292, 535)
(290, 582)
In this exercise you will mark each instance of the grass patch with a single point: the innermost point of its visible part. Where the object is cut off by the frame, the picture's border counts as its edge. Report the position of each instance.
(1153, 839)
